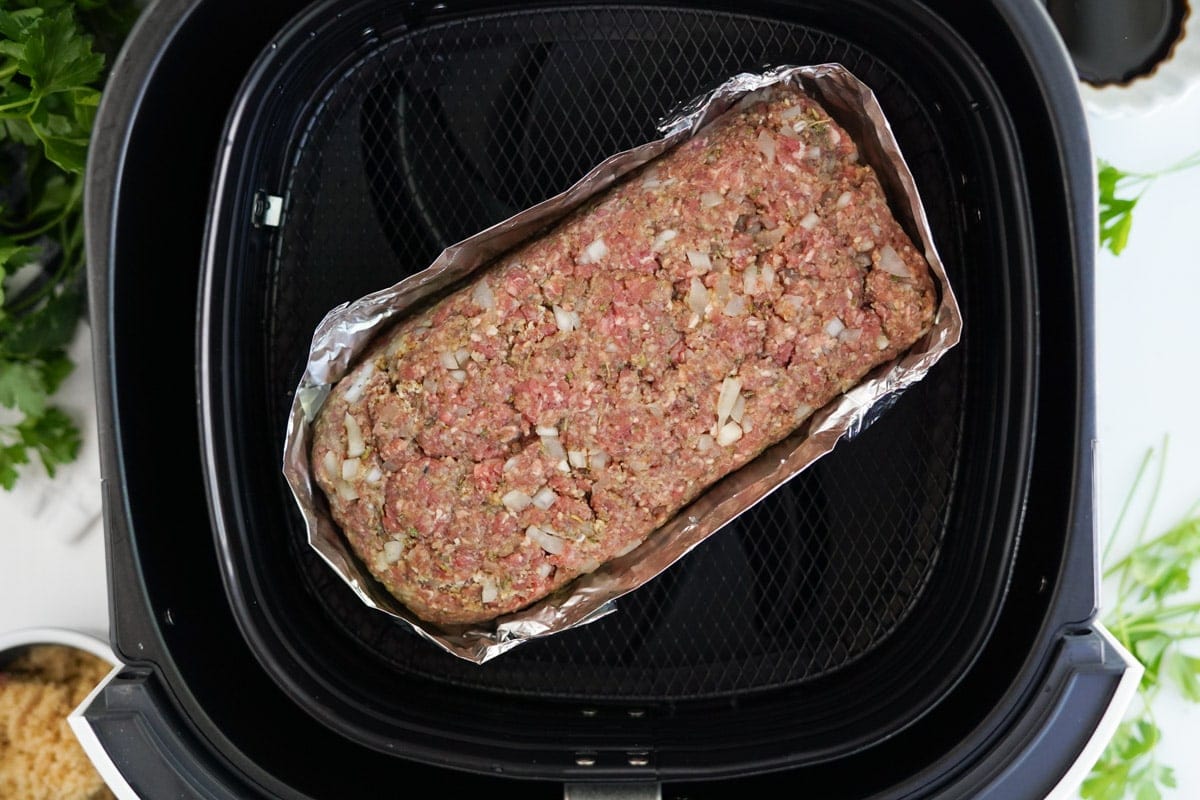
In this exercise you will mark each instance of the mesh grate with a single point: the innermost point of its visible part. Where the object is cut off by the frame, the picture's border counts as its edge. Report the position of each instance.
(438, 132)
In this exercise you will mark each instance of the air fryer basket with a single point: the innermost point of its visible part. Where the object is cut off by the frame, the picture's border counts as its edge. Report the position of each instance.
(828, 618)
(432, 136)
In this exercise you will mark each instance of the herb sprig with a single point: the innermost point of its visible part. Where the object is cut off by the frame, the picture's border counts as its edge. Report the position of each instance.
(52, 66)
(1149, 620)
(1117, 203)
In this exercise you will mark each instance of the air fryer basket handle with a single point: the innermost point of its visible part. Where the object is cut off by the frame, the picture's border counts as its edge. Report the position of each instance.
(1054, 744)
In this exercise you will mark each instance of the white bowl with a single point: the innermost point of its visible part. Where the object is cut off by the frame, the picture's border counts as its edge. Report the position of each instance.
(97, 645)
(80, 640)
(1169, 83)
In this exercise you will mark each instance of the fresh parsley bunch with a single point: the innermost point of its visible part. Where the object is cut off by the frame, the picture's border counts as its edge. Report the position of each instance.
(52, 66)
(1160, 630)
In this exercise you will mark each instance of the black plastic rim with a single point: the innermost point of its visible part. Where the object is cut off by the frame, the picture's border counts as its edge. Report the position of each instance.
(864, 703)
(168, 607)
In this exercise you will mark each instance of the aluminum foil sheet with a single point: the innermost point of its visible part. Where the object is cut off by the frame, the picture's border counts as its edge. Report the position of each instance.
(348, 328)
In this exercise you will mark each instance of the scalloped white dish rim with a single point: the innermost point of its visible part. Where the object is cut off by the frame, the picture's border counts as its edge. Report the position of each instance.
(1169, 83)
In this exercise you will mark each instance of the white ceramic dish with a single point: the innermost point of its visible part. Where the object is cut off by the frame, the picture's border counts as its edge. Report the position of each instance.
(1170, 82)
(83, 640)
(98, 646)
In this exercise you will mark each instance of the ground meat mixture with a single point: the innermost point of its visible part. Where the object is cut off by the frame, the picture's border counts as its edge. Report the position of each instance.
(552, 414)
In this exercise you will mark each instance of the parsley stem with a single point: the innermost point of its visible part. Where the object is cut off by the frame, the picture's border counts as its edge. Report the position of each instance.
(1137, 480)
(1165, 612)
(18, 103)
(1181, 632)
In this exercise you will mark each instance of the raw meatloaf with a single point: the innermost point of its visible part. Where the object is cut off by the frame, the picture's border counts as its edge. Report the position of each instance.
(585, 387)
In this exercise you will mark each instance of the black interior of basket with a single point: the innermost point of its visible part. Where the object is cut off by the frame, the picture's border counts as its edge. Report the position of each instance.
(436, 134)
(830, 616)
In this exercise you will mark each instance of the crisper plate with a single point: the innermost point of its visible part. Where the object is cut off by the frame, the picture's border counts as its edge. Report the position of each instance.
(830, 616)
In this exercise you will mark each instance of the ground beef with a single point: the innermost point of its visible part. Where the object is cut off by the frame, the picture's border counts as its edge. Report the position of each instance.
(552, 414)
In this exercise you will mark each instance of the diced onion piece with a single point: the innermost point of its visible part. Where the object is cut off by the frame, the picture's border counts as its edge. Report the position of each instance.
(447, 360)
(490, 591)
(768, 277)
(354, 392)
(891, 262)
(882, 342)
(564, 319)
(736, 306)
(766, 144)
(711, 199)
(788, 131)
(651, 181)
(594, 252)
(544, 497)
(551, 544)
(545, 569)
(508, 465)
(730, 390)
(739, 409)
(660, 241)
(554, 448)
(430, 384)
(747, 425)
(798, 304)
(810, 221)
(834, 326)
(791, 113)
(801, 412)
(750, 279)
(483, 296)
(697, 298)
(516, 500)
(333, 467)
(844, 199)
(374, 475)
(850, 335)
(355, 446)
(814, 153)
(704, 443)
(865, 245)
(350, 469)
(730, 432)
(392, 550)
(722, 287)
(462, 355)
(577, 458)
(699, 260)
(546, 430)
(597, 459)
(346, 491)
(459, 375)
(563, 466)
(834, 137)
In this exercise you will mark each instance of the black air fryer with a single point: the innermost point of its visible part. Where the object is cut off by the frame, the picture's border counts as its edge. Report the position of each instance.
(912, 617)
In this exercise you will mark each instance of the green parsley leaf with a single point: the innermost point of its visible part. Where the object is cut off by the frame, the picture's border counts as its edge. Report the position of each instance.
(1116, 213)
(22, 387)
(53, 436)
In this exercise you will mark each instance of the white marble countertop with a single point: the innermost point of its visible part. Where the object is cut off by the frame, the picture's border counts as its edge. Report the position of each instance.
(52, 566)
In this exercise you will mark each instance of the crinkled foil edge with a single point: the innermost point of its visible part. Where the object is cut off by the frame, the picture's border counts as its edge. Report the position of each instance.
(349, 327)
